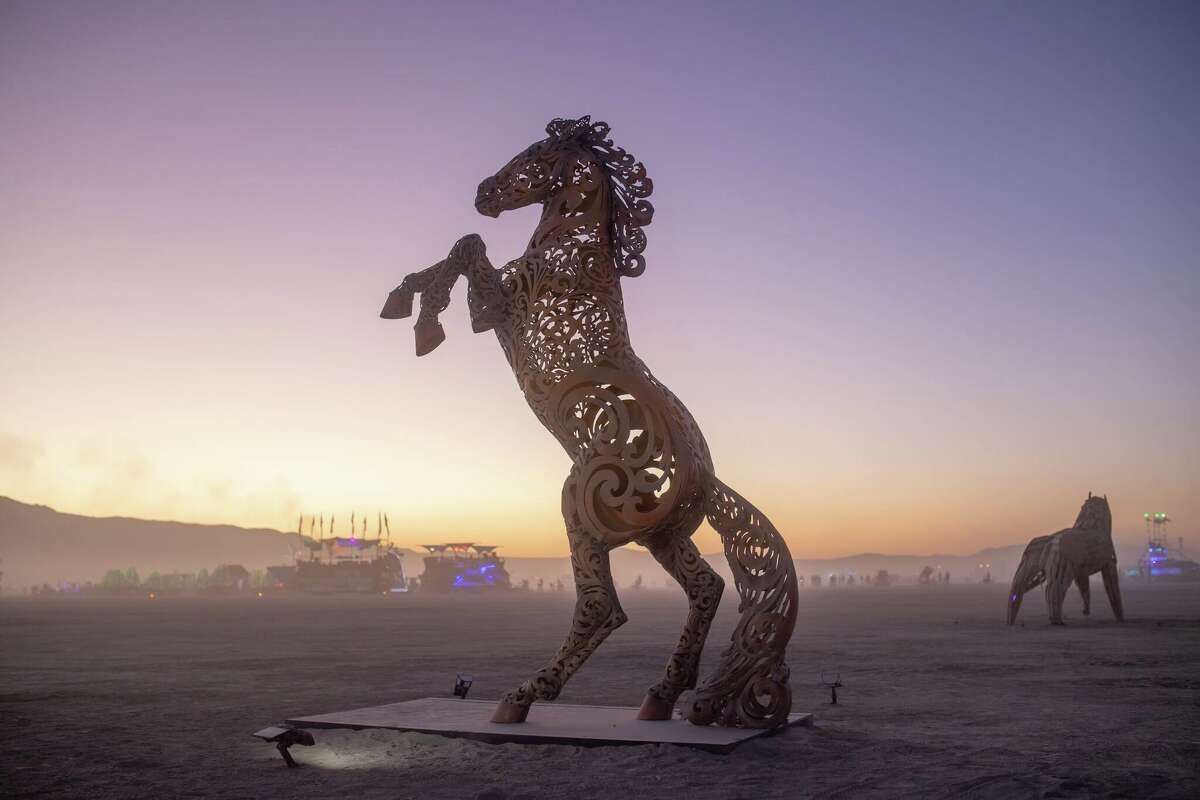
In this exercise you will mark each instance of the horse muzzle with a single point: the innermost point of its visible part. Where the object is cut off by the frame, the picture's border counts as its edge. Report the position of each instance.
(486, 198)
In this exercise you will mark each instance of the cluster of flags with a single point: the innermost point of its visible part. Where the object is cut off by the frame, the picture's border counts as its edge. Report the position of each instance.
(381, 522)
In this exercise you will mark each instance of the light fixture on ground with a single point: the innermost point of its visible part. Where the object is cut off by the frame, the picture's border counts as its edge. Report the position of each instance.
(285, 738)
(832, 679)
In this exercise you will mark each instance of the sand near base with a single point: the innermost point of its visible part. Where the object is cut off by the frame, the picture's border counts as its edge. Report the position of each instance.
(131, 698)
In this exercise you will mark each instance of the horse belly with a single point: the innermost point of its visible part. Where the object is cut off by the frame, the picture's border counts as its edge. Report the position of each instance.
(633, 472)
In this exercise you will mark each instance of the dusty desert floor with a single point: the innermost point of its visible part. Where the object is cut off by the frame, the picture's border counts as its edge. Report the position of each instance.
(138, 698)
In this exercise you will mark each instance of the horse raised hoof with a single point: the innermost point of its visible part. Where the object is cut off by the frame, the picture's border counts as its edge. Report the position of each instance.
(655, 709)
(398, 305)
(429, 336)
(508, 713)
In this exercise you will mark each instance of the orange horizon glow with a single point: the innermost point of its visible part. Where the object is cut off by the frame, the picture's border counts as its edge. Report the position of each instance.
(921, 296)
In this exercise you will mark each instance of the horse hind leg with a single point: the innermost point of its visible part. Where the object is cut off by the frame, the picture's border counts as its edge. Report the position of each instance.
(1027, 577)
(678, 555)
(1058, 580)
(597, 614)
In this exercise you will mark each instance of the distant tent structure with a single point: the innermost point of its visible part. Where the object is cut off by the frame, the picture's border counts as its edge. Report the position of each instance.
(229, 577)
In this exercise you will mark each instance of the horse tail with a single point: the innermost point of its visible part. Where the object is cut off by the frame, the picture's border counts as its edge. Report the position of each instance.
(750, 685)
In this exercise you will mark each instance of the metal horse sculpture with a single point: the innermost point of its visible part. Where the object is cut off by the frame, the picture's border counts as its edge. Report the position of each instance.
(1072, 554)
(641, 468)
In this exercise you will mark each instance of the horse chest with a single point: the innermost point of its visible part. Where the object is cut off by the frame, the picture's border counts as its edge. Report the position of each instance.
(559, 329)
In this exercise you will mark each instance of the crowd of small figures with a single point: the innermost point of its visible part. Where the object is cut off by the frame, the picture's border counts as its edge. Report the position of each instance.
(224, 579)
(234, 579)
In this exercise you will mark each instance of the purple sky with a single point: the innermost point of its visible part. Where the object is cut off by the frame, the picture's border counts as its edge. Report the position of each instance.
(925, 273)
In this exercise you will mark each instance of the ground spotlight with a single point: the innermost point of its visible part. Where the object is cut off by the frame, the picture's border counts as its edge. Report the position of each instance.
(462, 685)
(285, 738)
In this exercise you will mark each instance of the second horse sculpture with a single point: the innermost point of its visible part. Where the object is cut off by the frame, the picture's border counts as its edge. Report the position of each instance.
(1070, 555)
(641, 469)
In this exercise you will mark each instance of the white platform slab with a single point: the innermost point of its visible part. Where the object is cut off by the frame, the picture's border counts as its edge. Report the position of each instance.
(548, 723)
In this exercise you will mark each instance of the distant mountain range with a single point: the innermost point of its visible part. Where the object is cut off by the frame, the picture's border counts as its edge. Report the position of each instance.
(40, 545)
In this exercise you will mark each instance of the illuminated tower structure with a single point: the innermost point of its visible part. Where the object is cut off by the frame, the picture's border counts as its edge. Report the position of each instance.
(1151, 563)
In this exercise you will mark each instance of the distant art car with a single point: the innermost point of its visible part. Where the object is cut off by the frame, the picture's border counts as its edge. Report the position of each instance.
(463, 566)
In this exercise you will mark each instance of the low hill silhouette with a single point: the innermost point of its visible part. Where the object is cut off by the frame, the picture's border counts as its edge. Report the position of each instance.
(40, 545)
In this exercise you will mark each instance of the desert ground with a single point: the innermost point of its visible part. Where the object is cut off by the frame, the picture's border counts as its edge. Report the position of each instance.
(127, 698)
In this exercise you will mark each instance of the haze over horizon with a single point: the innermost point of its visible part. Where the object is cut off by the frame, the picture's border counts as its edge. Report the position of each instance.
(924, 275)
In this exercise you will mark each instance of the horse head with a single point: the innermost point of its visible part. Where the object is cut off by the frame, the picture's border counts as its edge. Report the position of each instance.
(1095, 515)
(589, 189)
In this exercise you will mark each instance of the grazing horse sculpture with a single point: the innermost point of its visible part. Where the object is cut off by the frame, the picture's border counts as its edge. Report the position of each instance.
(641, 469)
(1073, 554)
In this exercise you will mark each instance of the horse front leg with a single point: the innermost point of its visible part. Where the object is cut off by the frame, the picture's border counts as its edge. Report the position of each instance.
(1112, 587)
(429, 332)
(1084, 581)
(485, 298)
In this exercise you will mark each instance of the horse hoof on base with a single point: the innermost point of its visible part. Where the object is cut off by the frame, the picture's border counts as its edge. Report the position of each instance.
(508, 713)
(655, 709)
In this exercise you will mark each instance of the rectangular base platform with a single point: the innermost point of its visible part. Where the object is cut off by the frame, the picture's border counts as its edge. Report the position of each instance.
(548, 723)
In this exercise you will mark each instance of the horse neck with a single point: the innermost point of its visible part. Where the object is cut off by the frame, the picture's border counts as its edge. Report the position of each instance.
(557, 231)
(1095, 524)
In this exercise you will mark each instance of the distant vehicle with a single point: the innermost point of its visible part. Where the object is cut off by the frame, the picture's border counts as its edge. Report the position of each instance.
(464, 566)
(348, 565)
(343, 564)
(1157, 563)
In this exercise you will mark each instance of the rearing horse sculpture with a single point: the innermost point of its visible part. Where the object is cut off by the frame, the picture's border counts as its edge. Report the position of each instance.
(641, 469)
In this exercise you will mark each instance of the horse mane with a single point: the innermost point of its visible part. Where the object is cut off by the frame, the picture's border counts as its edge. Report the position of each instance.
(627, 178)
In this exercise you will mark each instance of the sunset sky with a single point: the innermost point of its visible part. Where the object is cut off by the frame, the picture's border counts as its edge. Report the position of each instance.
(925, 274)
